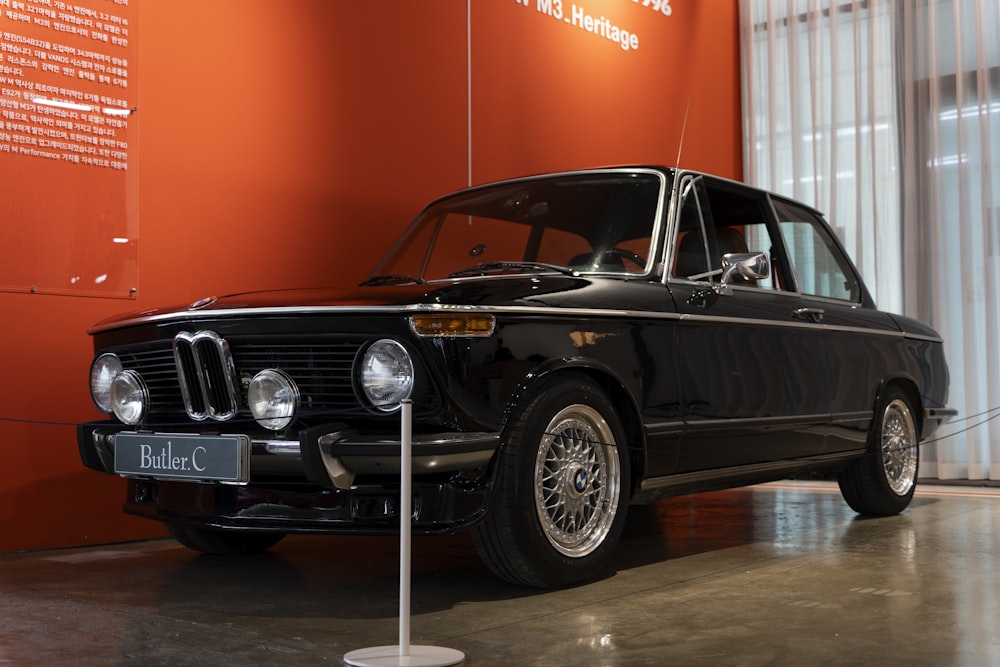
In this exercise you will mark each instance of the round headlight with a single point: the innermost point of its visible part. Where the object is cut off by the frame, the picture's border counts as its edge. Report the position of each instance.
(273, 399)
(386, 374)
(129, 397)
(102, 373)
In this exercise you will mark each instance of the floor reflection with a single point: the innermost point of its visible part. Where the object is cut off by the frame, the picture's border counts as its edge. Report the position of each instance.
(781, 574)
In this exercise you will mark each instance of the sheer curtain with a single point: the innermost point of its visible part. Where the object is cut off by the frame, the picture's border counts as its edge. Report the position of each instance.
(884, 115)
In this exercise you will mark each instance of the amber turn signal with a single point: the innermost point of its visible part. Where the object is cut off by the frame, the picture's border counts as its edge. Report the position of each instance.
(452, 324)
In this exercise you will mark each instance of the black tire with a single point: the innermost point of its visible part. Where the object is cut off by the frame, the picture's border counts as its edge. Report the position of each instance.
(882, 482)
(222, 542)
(563, 487)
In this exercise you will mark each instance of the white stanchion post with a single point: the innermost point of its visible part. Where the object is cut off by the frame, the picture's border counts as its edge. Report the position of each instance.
(404, 654)
(405, 521)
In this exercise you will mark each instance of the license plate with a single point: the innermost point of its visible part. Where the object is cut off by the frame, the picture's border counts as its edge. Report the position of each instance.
(221, 458)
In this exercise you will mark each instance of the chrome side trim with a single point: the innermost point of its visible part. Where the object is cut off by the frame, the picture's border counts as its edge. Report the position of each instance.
(839, 417)
(749, 321)
(665, 428)
(526, 310)
(349, 310)
(750, 472)
(818, 419)
(929, 339)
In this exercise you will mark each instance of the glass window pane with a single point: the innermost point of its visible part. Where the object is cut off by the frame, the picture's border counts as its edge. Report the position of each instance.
(819, 266)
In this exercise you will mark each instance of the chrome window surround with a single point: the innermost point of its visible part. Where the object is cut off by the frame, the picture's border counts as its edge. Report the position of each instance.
(207, 374)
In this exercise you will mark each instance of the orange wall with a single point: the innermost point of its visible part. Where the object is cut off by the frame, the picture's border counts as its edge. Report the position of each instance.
(548, 95)
(286, 142)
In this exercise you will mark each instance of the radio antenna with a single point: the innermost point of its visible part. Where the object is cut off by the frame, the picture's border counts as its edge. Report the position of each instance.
(683, 130)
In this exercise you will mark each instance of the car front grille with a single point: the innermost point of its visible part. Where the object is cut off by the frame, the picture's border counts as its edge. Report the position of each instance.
(320, 365)
(207, 376)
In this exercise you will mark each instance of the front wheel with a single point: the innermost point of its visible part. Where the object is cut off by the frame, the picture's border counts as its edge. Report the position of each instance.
(883, 481)
(563, 488)
(223, 542)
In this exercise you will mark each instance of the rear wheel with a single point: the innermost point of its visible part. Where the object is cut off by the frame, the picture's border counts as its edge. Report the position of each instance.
(883, 481)
(563, 488)
(220, 541)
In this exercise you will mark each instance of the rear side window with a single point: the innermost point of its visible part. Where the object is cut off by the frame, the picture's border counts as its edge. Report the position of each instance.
(819, 266)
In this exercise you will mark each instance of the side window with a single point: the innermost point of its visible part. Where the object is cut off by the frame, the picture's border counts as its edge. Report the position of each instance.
(715, 219)
(819, 266)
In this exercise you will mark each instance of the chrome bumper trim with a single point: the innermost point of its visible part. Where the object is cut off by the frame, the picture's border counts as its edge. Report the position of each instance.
(346, 454)
(940, 414)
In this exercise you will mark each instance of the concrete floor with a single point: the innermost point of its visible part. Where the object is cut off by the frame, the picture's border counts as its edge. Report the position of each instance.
(780, 574)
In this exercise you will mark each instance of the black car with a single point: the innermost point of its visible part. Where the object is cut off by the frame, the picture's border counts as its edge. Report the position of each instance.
(569, 343)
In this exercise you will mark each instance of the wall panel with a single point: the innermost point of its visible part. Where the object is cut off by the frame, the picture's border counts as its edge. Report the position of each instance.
(283, 143)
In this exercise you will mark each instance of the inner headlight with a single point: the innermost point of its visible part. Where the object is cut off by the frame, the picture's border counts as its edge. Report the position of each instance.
(129, 397)
(386, 374)
(102, 374)
(273, 398)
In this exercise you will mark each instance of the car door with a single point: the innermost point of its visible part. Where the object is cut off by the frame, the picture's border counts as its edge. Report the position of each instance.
(861, 343)
(753, 378)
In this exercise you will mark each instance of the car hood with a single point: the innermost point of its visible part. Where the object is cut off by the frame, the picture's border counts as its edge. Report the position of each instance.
(541, 290)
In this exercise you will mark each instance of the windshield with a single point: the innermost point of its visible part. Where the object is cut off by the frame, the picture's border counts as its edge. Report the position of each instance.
(589, 222)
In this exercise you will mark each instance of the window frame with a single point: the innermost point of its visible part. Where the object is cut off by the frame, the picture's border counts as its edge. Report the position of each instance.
(776, 254)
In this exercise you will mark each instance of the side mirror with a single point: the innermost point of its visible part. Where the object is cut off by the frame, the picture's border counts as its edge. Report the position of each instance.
(749, 265)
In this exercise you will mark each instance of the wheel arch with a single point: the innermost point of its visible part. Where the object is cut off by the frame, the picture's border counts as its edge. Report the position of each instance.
(908, 385)
(617, 391)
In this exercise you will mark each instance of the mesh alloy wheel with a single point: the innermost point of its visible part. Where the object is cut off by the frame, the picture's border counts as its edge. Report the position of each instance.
(577, 481)
(899, 443)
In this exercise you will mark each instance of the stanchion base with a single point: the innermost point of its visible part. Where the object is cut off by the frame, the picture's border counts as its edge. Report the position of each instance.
(418, 656)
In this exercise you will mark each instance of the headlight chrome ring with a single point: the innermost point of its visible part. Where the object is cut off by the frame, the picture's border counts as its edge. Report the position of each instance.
(129, 397)
(273, 398)
(102, 373)
(385, 374)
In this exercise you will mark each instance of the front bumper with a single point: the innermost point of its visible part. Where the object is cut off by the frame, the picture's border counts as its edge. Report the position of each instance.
(370, 509)
(331, 480)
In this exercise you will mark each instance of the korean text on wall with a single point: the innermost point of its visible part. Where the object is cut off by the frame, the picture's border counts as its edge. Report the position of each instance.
(67, 146)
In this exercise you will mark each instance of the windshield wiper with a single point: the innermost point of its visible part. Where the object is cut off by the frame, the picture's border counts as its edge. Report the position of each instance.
(392, 279)
(490, 267)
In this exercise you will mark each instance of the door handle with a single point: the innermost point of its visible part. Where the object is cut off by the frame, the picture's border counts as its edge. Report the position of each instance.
(811, 314)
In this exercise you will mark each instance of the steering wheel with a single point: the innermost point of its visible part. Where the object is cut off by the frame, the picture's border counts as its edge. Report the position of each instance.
(628, 255)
